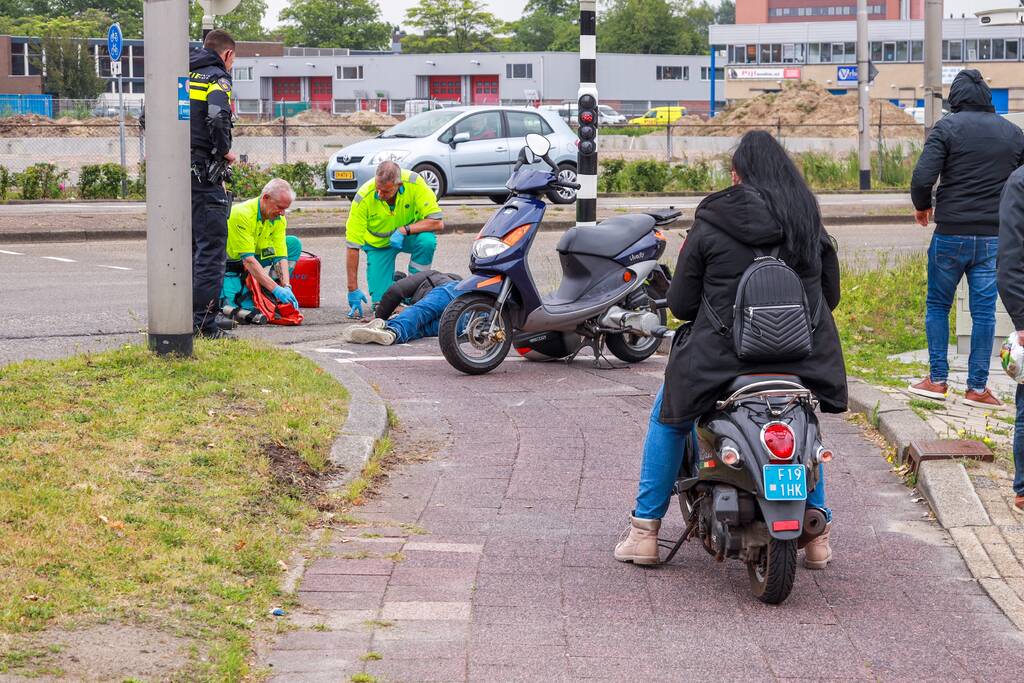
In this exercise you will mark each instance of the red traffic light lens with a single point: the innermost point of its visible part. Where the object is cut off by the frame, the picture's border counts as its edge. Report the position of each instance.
(587, 117)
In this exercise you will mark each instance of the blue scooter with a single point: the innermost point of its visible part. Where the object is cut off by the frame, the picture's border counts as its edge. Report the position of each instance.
(612, 290)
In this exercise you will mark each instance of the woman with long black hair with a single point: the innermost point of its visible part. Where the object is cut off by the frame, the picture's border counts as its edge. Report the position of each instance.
(768, 206)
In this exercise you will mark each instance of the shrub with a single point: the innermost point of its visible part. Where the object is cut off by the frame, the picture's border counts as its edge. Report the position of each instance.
(101, 181)
(645, 176)
(6, 182)
(608, 177)
(138, 187)
(701, 176)
(248, 180)
(301, 175)
(42, 181)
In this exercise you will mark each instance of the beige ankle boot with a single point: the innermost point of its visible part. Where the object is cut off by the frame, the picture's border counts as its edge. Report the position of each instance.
(818, 553)
(639, 543)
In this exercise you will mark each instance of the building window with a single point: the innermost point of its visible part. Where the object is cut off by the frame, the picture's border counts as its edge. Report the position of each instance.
(916, 51)
(248, 106)
(350, 73)
(138, 62)
(952, 51)
(519, 71)
(719, 73)
(971, 50)
(743, 54)
(1013, 50)
(672, 73)
(241, 73)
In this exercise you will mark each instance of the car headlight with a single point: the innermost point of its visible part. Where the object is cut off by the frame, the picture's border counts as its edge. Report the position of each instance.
(488, 247)
(395, 155)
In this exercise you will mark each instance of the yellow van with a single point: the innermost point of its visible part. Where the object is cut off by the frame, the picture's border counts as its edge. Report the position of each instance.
(659, 116)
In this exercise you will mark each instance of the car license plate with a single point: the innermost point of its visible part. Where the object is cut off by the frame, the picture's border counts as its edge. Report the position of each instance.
(344, 175)
(785, 482)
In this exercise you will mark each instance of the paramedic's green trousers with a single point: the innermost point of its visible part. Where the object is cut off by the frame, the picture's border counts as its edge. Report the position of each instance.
(380, 262)
(235, 293)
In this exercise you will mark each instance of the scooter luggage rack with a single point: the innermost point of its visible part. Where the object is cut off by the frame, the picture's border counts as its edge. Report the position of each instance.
(791, 390)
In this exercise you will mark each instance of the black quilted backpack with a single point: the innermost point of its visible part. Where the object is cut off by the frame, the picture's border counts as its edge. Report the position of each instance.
(772, 322)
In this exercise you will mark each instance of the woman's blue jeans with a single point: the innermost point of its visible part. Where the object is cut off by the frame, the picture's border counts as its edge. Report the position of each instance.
(663, 457)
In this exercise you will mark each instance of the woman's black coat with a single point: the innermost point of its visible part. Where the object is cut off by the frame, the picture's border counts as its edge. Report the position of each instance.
(728, 225)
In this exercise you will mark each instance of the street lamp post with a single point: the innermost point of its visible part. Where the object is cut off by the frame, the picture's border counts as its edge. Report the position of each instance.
(863, 102)
(932, 62)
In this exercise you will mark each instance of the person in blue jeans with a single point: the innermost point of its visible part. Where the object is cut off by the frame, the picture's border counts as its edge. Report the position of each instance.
(971, 152)
(769, 207)
(427, 294)
(1010, 280)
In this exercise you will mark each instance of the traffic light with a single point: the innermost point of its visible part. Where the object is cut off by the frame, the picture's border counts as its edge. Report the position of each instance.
(588, 118)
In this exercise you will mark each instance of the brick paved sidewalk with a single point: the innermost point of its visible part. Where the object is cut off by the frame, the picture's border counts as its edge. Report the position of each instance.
(504, 569)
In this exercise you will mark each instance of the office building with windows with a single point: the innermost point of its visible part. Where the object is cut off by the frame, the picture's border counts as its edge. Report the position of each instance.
(782, 11)
(762, 57)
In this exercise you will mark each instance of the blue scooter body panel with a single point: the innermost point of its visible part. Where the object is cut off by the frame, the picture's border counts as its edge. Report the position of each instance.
(473, 284)
(649, 248)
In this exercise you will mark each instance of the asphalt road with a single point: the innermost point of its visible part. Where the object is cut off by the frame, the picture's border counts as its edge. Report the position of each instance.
(63, 298)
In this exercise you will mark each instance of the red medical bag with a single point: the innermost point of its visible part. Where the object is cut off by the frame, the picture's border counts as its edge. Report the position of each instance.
(306, 280)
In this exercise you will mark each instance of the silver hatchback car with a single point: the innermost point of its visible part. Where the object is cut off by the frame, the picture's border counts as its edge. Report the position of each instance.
(458, 151)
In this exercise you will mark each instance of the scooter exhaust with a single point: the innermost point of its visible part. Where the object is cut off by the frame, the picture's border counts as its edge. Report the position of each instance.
(814, 526)
(643, 323)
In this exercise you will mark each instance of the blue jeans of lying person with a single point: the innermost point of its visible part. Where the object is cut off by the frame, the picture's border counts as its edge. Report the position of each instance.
(422, 318)
(663, 456)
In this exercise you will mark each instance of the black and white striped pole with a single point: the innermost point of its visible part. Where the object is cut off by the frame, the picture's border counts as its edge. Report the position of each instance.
(587, 115)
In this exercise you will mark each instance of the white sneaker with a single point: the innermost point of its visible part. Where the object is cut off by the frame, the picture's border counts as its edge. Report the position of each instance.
(375, 324)
(374, 332)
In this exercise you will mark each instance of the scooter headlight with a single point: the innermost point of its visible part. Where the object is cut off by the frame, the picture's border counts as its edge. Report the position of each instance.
(488, 247)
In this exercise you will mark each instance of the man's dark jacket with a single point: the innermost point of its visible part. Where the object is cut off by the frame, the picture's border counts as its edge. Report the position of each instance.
(1010, 261)
(728, 225)
(972, 152)
(209, 86)
(411, 289)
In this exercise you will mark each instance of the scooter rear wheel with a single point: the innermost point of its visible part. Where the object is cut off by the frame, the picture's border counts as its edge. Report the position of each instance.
(771, 578)
(633, 348)
(465, 335)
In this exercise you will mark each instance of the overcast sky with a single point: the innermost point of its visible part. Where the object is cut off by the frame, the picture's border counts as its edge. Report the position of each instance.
(394, 10)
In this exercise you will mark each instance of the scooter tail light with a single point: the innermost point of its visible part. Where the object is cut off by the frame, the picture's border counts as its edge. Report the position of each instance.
(516, 234)
(779, 440)
(730, 456)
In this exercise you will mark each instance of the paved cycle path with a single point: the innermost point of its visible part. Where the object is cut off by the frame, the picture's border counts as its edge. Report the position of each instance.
(504, 522)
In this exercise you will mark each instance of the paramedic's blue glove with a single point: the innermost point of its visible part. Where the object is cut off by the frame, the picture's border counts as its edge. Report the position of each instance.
(397, 239)
(284, 295)
(356, 299)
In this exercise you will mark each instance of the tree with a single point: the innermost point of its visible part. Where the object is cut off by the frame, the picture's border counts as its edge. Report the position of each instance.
(547, 26)
(566, 9)
(354, 24)
(245, 22)
(726, 12)
(126, 12)
(640, 26)
(90, 23)
(453, 26)
(70, 70)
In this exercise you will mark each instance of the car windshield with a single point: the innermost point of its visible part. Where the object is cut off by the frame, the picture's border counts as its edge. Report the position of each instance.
(605, 109)
(652, 114)
(421, 125)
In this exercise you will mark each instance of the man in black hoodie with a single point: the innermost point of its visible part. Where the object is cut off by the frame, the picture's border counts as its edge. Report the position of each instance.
(1011, 291)
(210, 101)
(971, 153)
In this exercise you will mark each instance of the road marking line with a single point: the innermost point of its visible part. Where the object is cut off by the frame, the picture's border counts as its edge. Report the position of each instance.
(59, 258)
(334, 351)
(115, 267)
(12, 253)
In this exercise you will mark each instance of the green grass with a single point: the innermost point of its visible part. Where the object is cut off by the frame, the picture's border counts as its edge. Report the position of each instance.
(134, 488)
(925, 404)
(882, 313)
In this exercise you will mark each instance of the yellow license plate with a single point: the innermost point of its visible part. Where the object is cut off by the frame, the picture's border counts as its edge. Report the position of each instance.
(344, 175)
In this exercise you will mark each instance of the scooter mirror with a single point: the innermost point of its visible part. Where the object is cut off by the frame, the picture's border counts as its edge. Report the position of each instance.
(538, 144)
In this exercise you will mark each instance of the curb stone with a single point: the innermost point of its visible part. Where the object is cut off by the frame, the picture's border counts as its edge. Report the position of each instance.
(947, 487)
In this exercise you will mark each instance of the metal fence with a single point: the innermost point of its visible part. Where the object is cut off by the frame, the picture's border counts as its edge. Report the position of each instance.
(72, 145)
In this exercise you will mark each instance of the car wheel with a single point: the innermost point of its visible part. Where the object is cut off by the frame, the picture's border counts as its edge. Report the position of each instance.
(433, 177)
(566, 172)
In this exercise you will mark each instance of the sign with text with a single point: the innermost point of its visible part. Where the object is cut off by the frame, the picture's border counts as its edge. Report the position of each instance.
(184, 107)
(949, 73)
(778, 74)
(846, 74)
(115, 42)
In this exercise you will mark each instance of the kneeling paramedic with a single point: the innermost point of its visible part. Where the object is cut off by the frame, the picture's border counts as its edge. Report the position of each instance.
(393, 213)
(428, 292)
(258, 246)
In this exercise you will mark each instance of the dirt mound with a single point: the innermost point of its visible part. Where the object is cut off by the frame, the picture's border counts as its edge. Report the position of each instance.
(805, 109)
(318, 123)
(35, 126)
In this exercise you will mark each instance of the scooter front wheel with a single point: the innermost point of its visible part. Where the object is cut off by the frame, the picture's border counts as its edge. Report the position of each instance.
(771, 577)
(474, 337)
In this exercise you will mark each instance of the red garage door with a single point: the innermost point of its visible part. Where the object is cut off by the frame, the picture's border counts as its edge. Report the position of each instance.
(320, 92)
(286, 89)
(446, 88)
(485, 89)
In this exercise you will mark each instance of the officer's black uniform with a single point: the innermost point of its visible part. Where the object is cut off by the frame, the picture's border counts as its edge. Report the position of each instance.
(210, 100)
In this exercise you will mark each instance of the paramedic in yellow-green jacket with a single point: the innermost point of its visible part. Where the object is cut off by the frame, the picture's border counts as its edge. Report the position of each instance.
(259, 246)
(393, 213)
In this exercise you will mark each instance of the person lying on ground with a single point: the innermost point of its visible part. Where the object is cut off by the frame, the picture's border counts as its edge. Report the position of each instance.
(429, 293)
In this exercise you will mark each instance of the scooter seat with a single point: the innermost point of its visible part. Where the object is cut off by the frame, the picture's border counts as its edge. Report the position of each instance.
(744, 381)
(608, 238)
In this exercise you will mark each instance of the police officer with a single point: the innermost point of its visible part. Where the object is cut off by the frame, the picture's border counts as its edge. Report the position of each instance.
(210, 99)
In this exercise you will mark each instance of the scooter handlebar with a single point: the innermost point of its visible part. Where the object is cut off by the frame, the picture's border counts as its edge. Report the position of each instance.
(567, 184)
